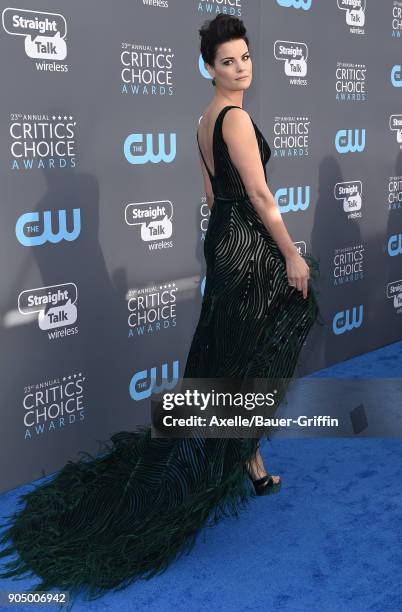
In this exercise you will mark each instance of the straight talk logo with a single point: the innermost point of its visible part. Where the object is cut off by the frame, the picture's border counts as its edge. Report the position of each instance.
(44, 36)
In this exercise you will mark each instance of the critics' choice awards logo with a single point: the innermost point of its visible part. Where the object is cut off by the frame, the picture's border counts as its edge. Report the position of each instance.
(146, 70)
(395, 125)
(394, 293)
(396, 26)
(348, 265)
(350, 84)
(153, 380)
(291, 136)
(394, 245)
(42, 141)
(350, 194)
(54, 307)
(205, 213)
(394, 192)
(293, 199)
(53, 404)
(36, 228)
(151, 309)
(294, 57)
(355, 14)
(305, 5)
(350, 140)
(347, 320)
(154, 220)
(44, 36)
(228, 7)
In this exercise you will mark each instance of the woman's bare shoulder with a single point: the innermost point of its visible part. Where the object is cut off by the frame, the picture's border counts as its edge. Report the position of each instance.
(237, 120)
(212, 112)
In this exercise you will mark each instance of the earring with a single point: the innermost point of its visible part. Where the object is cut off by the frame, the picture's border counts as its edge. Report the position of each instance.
(213, 81)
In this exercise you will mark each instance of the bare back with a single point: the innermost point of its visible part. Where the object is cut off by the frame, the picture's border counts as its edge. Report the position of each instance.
(206, 133)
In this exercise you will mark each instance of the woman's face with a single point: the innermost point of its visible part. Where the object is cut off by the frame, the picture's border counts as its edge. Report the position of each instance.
(232, 61)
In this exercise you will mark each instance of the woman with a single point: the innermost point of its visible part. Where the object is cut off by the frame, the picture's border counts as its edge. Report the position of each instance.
(239, 174)
(104, 522)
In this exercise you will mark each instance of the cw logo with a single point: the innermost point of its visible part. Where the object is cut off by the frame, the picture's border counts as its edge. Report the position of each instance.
(285, 196)
(396, 75)
(344, 320)
(140, 388)
(346, 142)
(202, 286)
(134, 142)
(395, 245)
(297, 4)
(28, 224)
(202, 69)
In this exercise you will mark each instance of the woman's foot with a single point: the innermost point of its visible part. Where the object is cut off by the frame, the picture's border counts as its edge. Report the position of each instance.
(262, 481)
(275, 478)
(266, 485)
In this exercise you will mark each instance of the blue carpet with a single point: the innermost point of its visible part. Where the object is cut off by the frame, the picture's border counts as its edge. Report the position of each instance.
(329, 541)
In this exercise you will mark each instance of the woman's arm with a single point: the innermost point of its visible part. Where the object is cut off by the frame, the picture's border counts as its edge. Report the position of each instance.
(239, 134)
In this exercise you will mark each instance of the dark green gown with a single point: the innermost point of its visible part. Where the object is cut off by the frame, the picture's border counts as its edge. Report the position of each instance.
(102, 522)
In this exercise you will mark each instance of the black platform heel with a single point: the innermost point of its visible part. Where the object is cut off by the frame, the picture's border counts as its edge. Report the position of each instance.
(266, 484)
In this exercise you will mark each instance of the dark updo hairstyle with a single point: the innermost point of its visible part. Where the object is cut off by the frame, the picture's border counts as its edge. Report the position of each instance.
(217, 31)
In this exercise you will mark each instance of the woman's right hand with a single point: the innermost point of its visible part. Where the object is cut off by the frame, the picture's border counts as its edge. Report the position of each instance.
(298, 272)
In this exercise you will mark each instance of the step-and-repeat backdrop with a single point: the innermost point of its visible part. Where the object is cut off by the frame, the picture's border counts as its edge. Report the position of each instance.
(103, 210)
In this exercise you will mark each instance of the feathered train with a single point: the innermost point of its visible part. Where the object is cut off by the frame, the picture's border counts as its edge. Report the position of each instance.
(103, 522)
